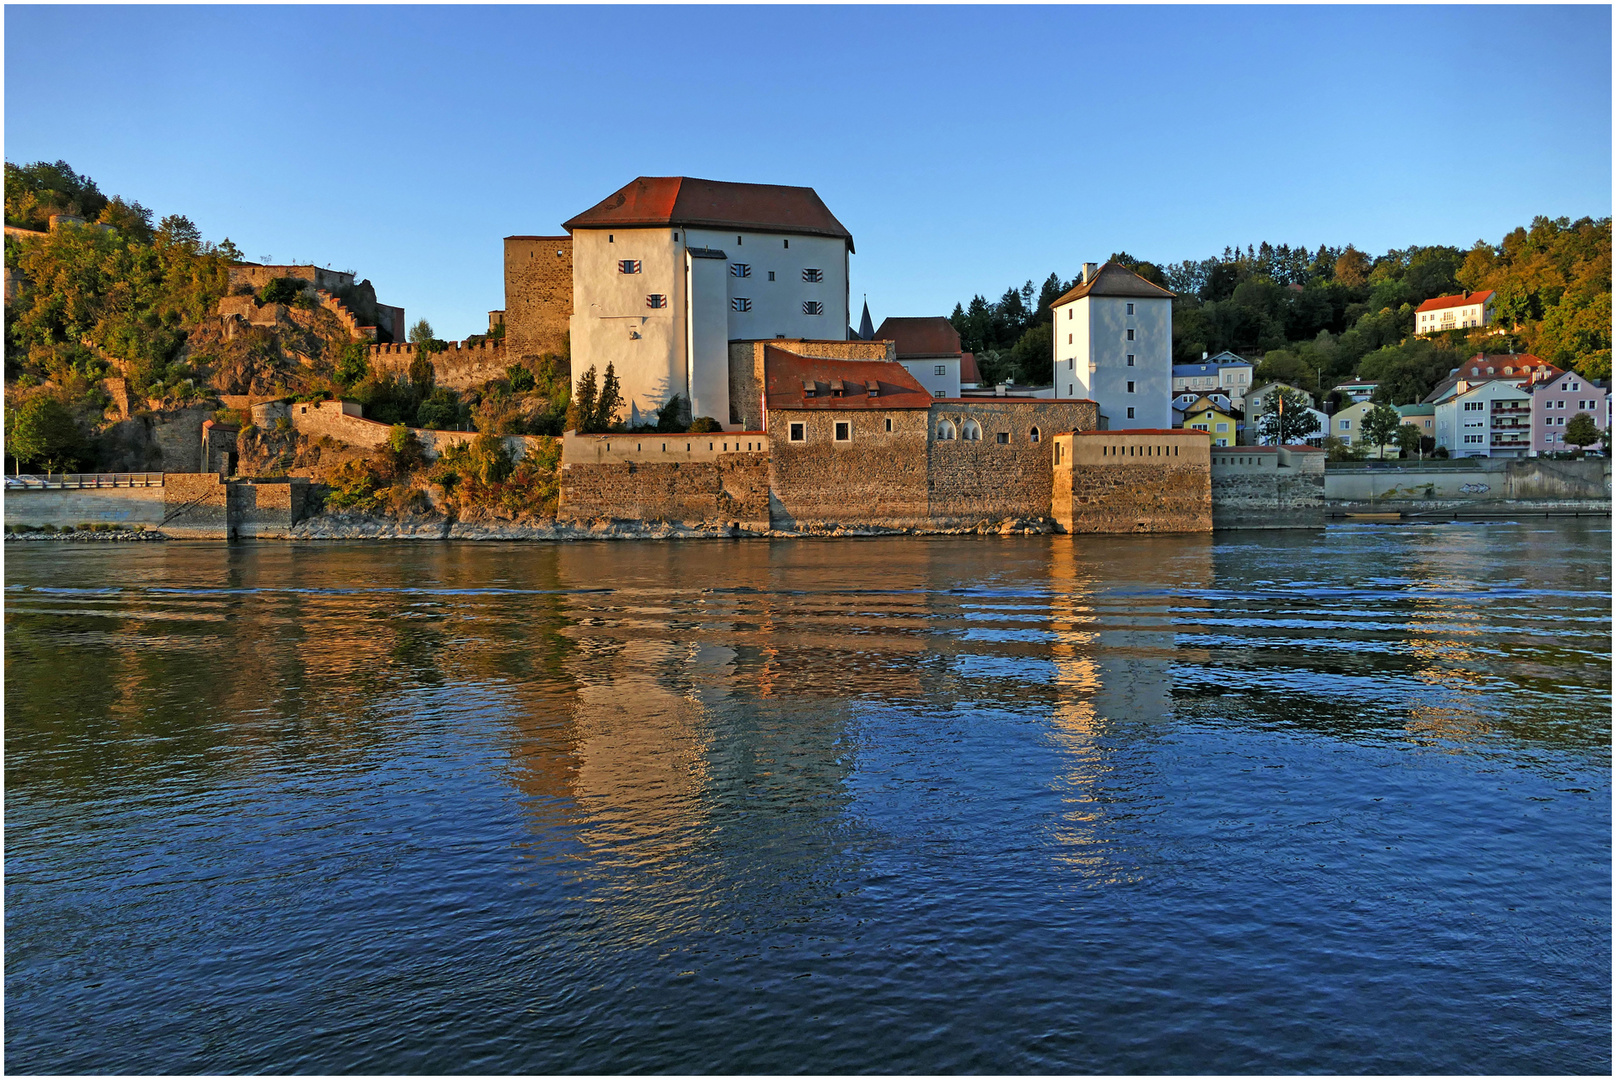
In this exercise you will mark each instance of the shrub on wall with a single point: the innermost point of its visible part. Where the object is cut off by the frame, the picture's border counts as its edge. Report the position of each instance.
(281, 290)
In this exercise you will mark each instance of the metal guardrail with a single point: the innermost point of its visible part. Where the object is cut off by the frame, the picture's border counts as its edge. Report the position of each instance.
(55, 481)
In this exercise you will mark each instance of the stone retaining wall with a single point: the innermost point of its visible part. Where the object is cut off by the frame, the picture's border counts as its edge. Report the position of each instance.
(734, 487)
(1266, 487)
(1475, 478)
(1133, 481)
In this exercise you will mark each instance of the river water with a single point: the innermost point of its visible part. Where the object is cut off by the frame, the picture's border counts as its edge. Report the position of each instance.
(1318, 801)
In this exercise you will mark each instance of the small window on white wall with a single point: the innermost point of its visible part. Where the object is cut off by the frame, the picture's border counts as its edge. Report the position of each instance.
(628, 266)
(1130, 359)
(656, 300)
(1130, 334)
(812, 307)
(740, 303)
(1130, 412)
(740, 269)
(813, 275)
(1130, 309)
(939, 369)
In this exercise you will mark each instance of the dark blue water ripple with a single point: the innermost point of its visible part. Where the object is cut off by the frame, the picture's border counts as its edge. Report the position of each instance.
(1294, 803)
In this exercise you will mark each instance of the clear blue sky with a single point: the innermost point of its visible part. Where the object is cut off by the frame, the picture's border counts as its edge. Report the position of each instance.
(966, 148)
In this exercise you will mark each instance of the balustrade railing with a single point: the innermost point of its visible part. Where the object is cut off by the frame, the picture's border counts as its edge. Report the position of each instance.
(50, 481)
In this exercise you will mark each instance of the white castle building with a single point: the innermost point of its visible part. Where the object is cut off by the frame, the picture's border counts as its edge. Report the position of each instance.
(669, 270)
(1114, 345)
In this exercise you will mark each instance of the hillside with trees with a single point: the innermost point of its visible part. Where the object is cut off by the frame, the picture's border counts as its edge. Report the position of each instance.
(110, 296)
(1316, 318)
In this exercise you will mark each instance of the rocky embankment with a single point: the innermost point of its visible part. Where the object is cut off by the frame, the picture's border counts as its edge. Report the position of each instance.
(342, 526)
(93, 535)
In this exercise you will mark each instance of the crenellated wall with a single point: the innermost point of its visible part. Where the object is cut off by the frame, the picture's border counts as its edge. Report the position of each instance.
(460, 367)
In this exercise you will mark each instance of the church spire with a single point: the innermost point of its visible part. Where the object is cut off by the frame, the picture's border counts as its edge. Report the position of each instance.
(866, 329)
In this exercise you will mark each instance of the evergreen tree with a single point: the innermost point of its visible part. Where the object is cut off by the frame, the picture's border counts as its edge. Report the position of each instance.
(610, 400)
(581, 409)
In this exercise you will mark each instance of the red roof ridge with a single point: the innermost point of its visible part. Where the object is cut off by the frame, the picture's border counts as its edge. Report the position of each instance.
(1436, 303)
(719, 204)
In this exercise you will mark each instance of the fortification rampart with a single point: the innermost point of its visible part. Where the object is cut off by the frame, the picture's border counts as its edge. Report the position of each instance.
(1006, 471)
(1471, 479)
(344, 421)
(1133, 481)
(459, 367)
(875, 477)
(191, 506)
(722, 476)
(258, 276)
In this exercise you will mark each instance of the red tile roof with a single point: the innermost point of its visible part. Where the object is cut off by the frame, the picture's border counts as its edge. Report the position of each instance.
(786, 375)
(1437, 303)
(713, 204)
(968, 369)
(927, 335)
(1113, 280)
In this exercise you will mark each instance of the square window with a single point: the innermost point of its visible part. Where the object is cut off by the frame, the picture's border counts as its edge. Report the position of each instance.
(844, 431)
(812, 307)
(1130, 412)
(939, 369)
(1130, 334)
(1002, 438)
(889, 425)
(740, 303)
(799, 433)
(740, 269)
(656, 300)
(938, 393)
(628, 266)
(1130, 309)
(1130, 359)
(813, 275)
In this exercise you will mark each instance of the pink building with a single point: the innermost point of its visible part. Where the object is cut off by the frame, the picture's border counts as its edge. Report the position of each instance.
(1557, 400)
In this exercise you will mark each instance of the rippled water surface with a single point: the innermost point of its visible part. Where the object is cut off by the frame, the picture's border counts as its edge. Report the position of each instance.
(1333, 801)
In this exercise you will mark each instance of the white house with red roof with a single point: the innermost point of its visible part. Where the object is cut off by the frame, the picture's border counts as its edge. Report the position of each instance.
(1454, 312)
(669, 269)
(929, 347)
(1114, 346)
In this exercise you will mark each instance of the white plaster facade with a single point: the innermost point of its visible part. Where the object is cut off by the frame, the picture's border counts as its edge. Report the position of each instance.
(1490, 419)
(1116, 350)
(1454, 312)
(940, 375)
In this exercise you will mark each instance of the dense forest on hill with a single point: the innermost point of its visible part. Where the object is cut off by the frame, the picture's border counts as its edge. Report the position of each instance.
(1317, 318)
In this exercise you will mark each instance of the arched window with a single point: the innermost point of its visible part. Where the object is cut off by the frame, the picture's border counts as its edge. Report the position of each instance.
(945, 431)
(1034, 435)
(971, 431)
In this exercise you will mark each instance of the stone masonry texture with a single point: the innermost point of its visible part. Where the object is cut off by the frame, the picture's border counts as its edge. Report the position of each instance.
(538, 294)
(1127, 482)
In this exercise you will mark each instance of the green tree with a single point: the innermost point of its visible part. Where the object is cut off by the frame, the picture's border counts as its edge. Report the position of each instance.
(704, 425)
(1287, 418)
(35, 192)
(610, 400)
(1033, 354)
(1378, 426)
(674, 416)
(581, 408)
(43, 433)
(353, 364)
(1582, 431)
(1409, 440)
(421, 333)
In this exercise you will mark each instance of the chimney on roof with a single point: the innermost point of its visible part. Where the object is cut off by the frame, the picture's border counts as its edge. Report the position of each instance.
(1089, 272)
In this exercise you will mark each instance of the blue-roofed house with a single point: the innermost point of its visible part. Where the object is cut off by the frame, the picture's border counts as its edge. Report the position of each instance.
(1224, 372)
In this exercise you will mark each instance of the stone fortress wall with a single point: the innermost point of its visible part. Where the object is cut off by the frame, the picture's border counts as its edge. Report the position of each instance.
(462, 366)
(538, 294)
(1133, 481)
(344, 421)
